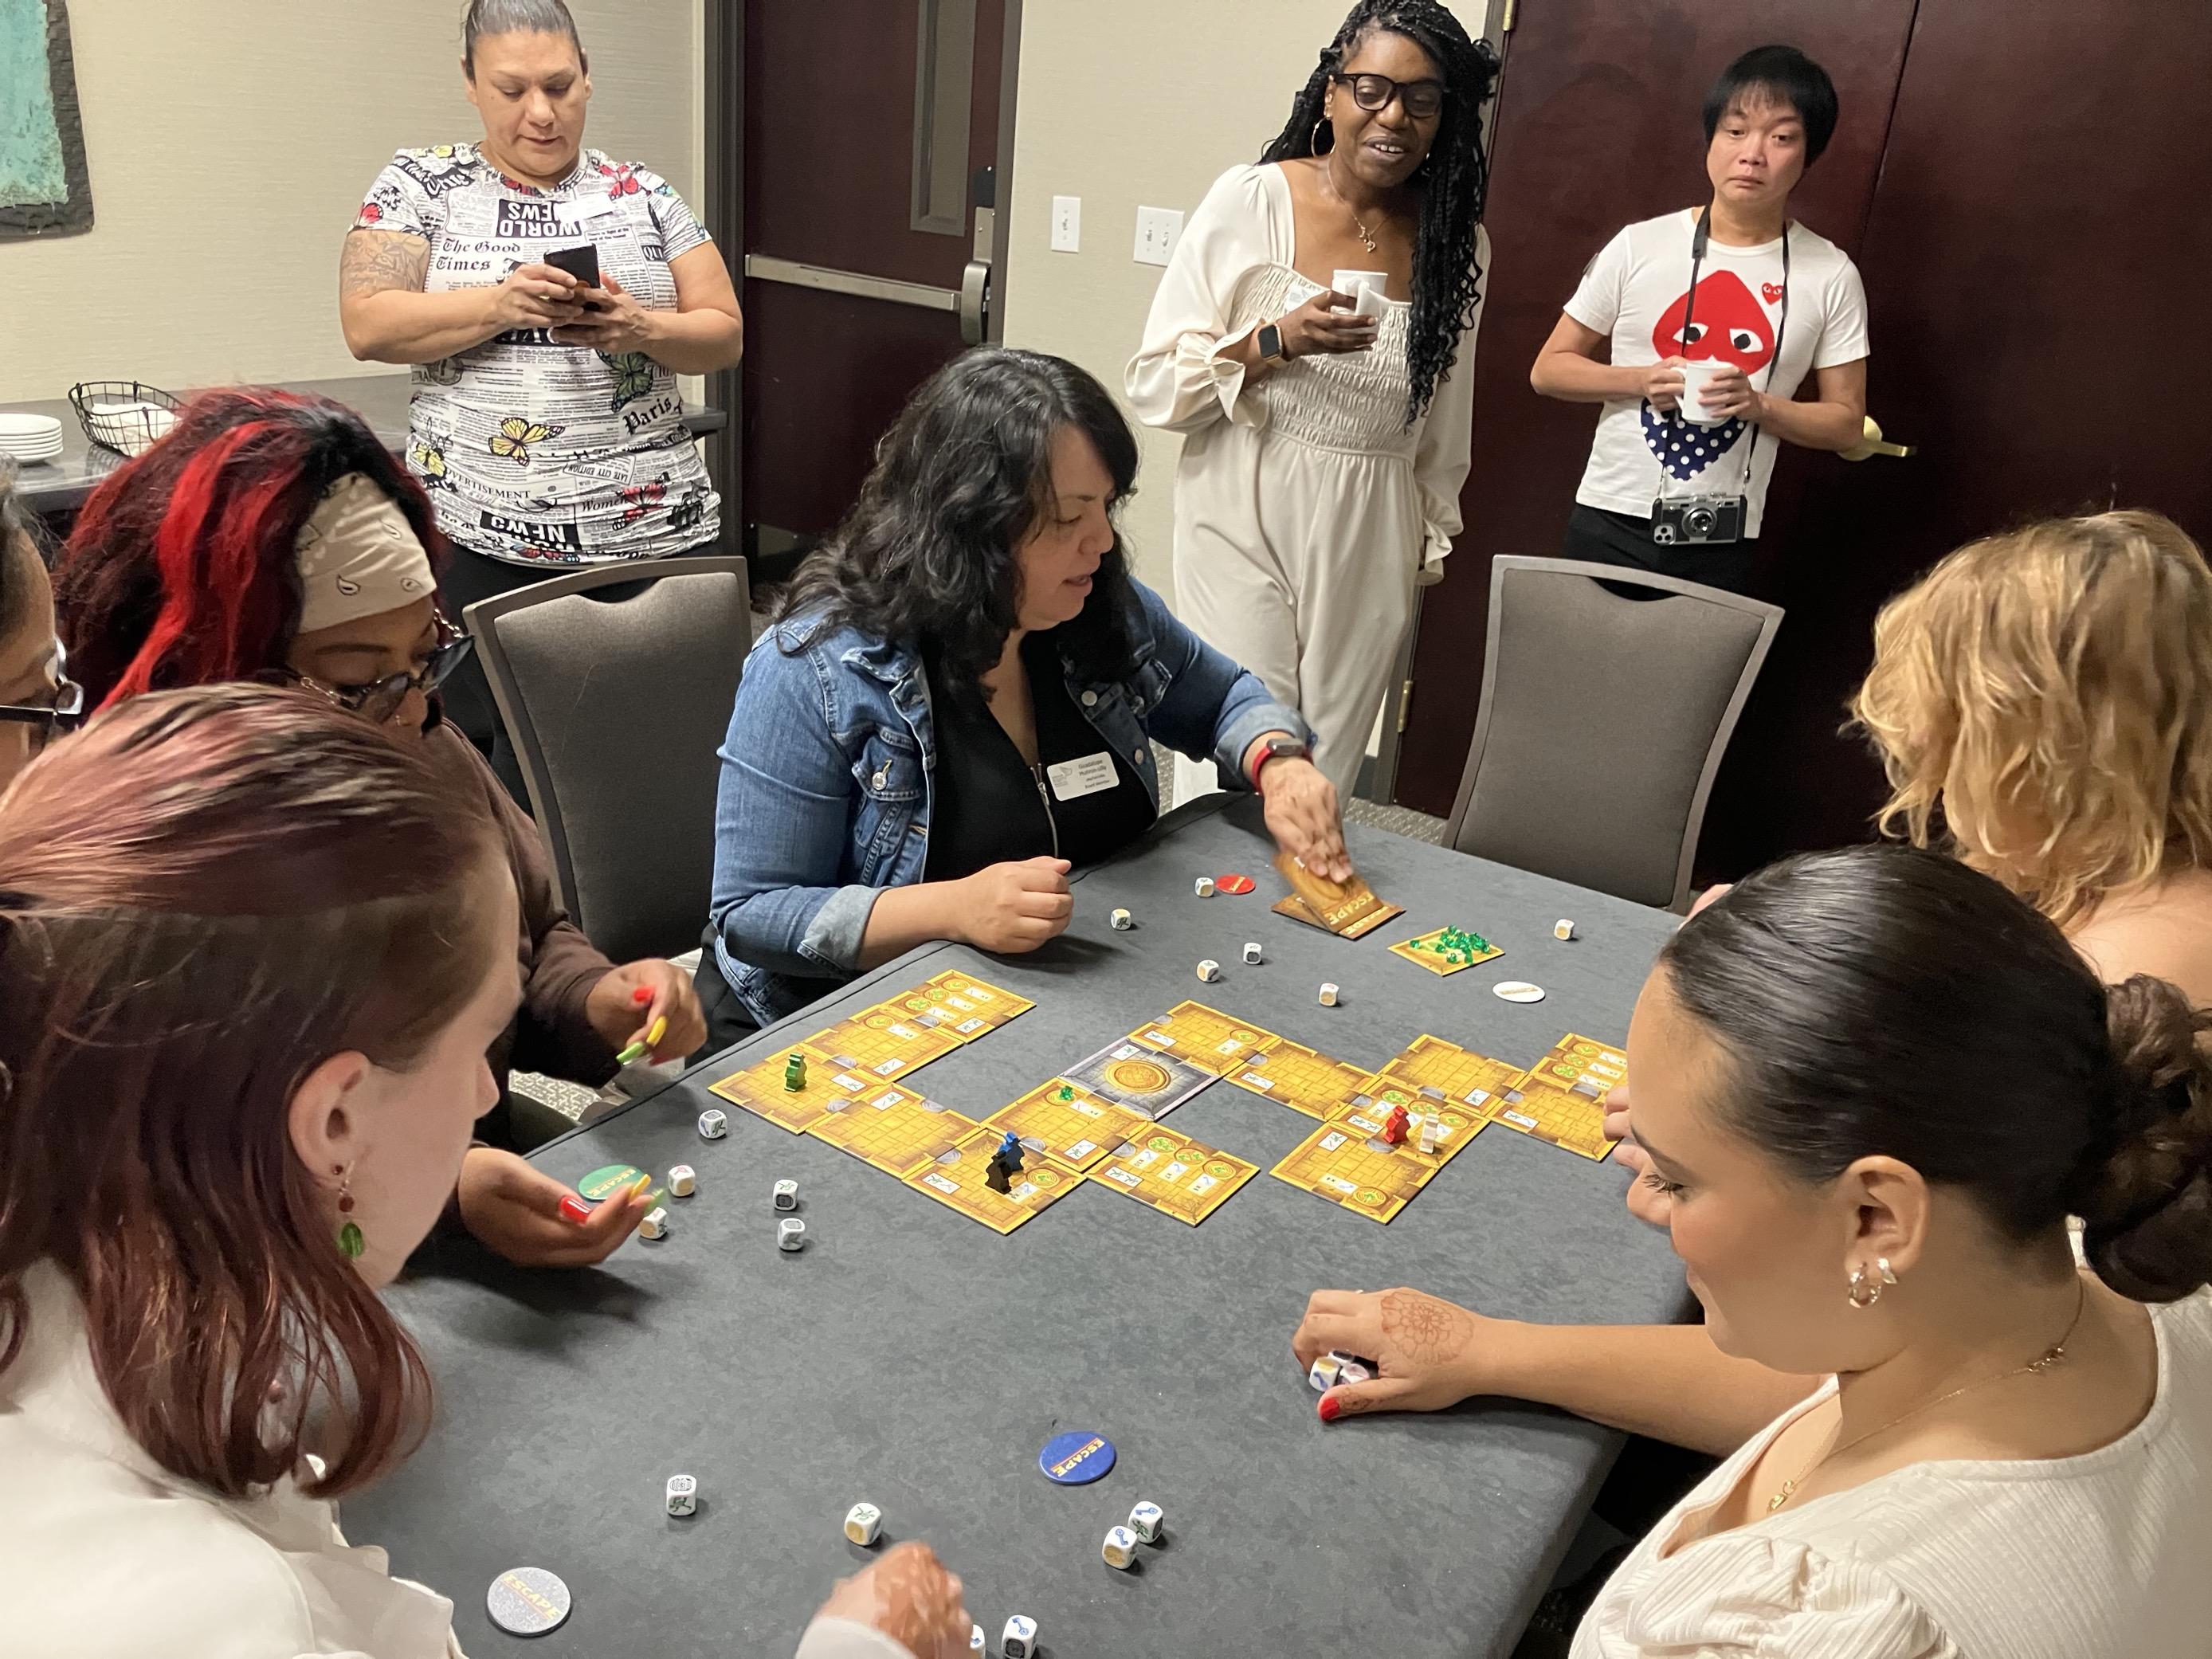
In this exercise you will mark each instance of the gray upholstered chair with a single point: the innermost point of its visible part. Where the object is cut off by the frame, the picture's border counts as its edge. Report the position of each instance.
(616, 684)
(1603, 720)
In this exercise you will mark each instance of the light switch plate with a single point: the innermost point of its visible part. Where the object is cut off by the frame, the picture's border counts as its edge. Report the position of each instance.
(1159, 229)
(1067, 224)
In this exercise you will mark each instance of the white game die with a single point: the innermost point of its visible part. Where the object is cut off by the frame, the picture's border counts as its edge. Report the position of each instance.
(712, 1126)
(1251, 955)
(975, 1638)
(683, 1181)
(1018, 1639)
(785, 1194)
(1349, 1369)
(1563, 929)
(1324, 1374)
(1328, 994)
(1209, 970)
(864, 1523)
(683, 1495)
(790, 1234)
(655, 1224)
(1203, 887)
(1121, 925)
(1119, 1548)
(1147, 1523)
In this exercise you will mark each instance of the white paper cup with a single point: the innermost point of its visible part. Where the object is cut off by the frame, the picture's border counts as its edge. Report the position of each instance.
(1351, 281)
(1696, 377)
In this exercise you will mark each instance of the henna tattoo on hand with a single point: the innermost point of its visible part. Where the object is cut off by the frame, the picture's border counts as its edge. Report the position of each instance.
(1426, 1330)
(378, 261)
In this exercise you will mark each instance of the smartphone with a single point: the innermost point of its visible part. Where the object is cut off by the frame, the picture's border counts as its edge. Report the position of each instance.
(582, 263)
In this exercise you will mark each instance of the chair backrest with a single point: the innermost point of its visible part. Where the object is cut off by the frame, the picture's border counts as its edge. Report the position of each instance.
(616, 684)
(1603, 721)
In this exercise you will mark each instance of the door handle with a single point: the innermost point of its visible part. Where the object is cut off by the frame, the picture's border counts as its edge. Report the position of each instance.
(761, 268)
(975, 280)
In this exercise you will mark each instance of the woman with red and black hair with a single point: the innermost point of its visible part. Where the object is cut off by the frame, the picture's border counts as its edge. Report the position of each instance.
(251, 953)
(272, 537)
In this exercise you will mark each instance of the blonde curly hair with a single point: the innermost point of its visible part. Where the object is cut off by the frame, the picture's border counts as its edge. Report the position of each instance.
(2050, 691)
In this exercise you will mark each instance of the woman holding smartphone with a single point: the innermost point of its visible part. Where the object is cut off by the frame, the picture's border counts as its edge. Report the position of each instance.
(547, 297)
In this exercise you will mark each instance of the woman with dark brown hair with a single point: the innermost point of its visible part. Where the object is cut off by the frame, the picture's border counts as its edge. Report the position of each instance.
(252, 951)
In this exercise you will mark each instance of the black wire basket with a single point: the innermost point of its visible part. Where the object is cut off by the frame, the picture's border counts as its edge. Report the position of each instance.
(128, 417)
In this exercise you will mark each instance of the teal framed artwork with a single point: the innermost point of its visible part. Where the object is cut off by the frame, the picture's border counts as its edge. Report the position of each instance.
(45, 190)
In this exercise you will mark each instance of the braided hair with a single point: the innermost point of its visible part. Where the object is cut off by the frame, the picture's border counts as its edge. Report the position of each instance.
(1453, 181)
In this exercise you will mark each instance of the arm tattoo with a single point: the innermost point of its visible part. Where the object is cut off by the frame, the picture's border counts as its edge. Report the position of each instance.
(1429, 1331)
(377, 261)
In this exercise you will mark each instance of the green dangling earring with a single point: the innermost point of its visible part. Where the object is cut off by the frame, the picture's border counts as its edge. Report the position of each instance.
(351, 1242)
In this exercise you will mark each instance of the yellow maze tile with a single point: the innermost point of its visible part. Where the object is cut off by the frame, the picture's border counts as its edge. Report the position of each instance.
(759, 1089)
(1174, 1174)
(893, 1128)
(1079, 1130)
(956, 1180)
(1300, 1078)
(1213, 1041)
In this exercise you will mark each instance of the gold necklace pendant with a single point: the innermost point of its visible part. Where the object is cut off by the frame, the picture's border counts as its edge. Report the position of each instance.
(1789, 1491)
(1365, 240)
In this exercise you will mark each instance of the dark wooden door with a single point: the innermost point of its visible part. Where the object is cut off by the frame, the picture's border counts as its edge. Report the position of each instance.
(2035, 261)
(1598, 126)
(870, 128)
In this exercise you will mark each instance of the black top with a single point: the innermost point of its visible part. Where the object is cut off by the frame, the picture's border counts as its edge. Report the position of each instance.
(989, 807)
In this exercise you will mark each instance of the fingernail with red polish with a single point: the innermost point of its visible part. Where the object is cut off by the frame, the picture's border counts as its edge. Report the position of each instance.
(1328, 1408)
(640, 997)
(574, 1208)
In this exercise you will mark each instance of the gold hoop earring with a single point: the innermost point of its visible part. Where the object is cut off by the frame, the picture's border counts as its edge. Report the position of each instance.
(1864, 1292)
(1881, 1267)
(351, 1242)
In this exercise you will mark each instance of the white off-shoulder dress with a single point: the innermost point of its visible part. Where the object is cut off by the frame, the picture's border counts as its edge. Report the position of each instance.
(1304, 504)
(2104, 1556)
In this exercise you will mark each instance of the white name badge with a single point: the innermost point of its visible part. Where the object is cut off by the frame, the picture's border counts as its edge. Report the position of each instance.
(1073, 779)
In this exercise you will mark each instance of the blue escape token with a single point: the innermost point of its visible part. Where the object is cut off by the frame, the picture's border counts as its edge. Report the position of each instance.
(1076, 1458)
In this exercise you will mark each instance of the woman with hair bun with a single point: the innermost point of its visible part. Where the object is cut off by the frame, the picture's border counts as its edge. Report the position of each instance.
(1876, 1085)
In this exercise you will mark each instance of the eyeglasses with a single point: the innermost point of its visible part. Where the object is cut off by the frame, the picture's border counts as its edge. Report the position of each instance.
(1423, 99)
(49, 720)
(379, 700)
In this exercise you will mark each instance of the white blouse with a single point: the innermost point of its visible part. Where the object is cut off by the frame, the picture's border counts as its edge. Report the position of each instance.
(2103, 1556)
(104, 1554)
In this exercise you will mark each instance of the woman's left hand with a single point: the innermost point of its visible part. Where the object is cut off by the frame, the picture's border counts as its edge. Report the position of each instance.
(625, 1005)
(1728, 396)
(615, 324)
(1303, 816)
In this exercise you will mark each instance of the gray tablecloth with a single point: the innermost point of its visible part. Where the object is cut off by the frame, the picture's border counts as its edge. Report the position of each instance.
(62, 484)
(914, 1358)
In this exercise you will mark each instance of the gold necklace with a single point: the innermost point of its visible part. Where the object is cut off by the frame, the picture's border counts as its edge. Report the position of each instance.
(2035, 1367)
(1365, 240)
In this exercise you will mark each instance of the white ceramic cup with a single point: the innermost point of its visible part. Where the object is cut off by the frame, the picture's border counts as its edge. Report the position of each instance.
(1696, 377)
(1351, 282)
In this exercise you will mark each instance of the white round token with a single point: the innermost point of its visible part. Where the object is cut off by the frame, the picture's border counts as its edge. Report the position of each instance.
(1518, 990)
(527, 1602)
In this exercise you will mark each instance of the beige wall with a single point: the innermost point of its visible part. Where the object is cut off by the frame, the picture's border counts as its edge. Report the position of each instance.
(1139, 102)
(229, 142)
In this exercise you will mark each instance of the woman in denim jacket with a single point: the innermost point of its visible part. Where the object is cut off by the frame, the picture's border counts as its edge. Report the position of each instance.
(957, 700)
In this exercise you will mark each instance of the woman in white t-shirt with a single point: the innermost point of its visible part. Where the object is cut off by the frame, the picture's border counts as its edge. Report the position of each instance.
(243, 1020)
(1324, 446)
(545, 421)
(1736, 295)
(1875, 1084)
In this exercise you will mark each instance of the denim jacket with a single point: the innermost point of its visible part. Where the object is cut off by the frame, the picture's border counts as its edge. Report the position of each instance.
(827, 771)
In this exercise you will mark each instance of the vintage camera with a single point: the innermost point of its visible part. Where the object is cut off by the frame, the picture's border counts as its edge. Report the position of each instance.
(1697, 519)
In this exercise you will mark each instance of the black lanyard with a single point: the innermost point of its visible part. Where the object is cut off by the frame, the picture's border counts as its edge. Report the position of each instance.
(1782, 323)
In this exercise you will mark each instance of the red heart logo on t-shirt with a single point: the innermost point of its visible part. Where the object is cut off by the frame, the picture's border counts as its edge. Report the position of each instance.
(1772, 291)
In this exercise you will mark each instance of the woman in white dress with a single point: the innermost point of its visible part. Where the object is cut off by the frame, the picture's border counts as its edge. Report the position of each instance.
(1325, 433)
(1875, 1084)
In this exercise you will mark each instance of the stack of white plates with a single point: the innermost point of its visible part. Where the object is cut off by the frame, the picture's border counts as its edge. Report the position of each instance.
(30, 438)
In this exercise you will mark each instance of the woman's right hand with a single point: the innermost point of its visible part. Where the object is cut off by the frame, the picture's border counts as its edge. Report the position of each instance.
(1428, 1351)
(1014, 908)
(537, 296)
(1662, 384)
(1319, 325)
(911, 1597)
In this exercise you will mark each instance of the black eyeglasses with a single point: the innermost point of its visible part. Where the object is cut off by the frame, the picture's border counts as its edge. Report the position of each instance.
(1424, 99)
(49, 720)
(379, 700)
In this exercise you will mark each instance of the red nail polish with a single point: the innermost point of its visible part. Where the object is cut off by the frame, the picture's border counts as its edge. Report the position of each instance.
(640, 997)
(1328, 1408)
(574, 1208)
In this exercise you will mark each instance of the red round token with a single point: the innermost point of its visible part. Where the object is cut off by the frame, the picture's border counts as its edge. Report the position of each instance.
(1233, 882)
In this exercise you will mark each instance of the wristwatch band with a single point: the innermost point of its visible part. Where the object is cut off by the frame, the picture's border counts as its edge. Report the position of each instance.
(1278, 747)
(1271, 343)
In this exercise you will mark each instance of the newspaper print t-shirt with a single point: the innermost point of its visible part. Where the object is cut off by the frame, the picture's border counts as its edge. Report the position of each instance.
(534, 452)
(1636, 293)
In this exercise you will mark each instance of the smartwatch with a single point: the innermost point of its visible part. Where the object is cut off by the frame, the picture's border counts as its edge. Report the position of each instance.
(1279, 747)
(1271, 345)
